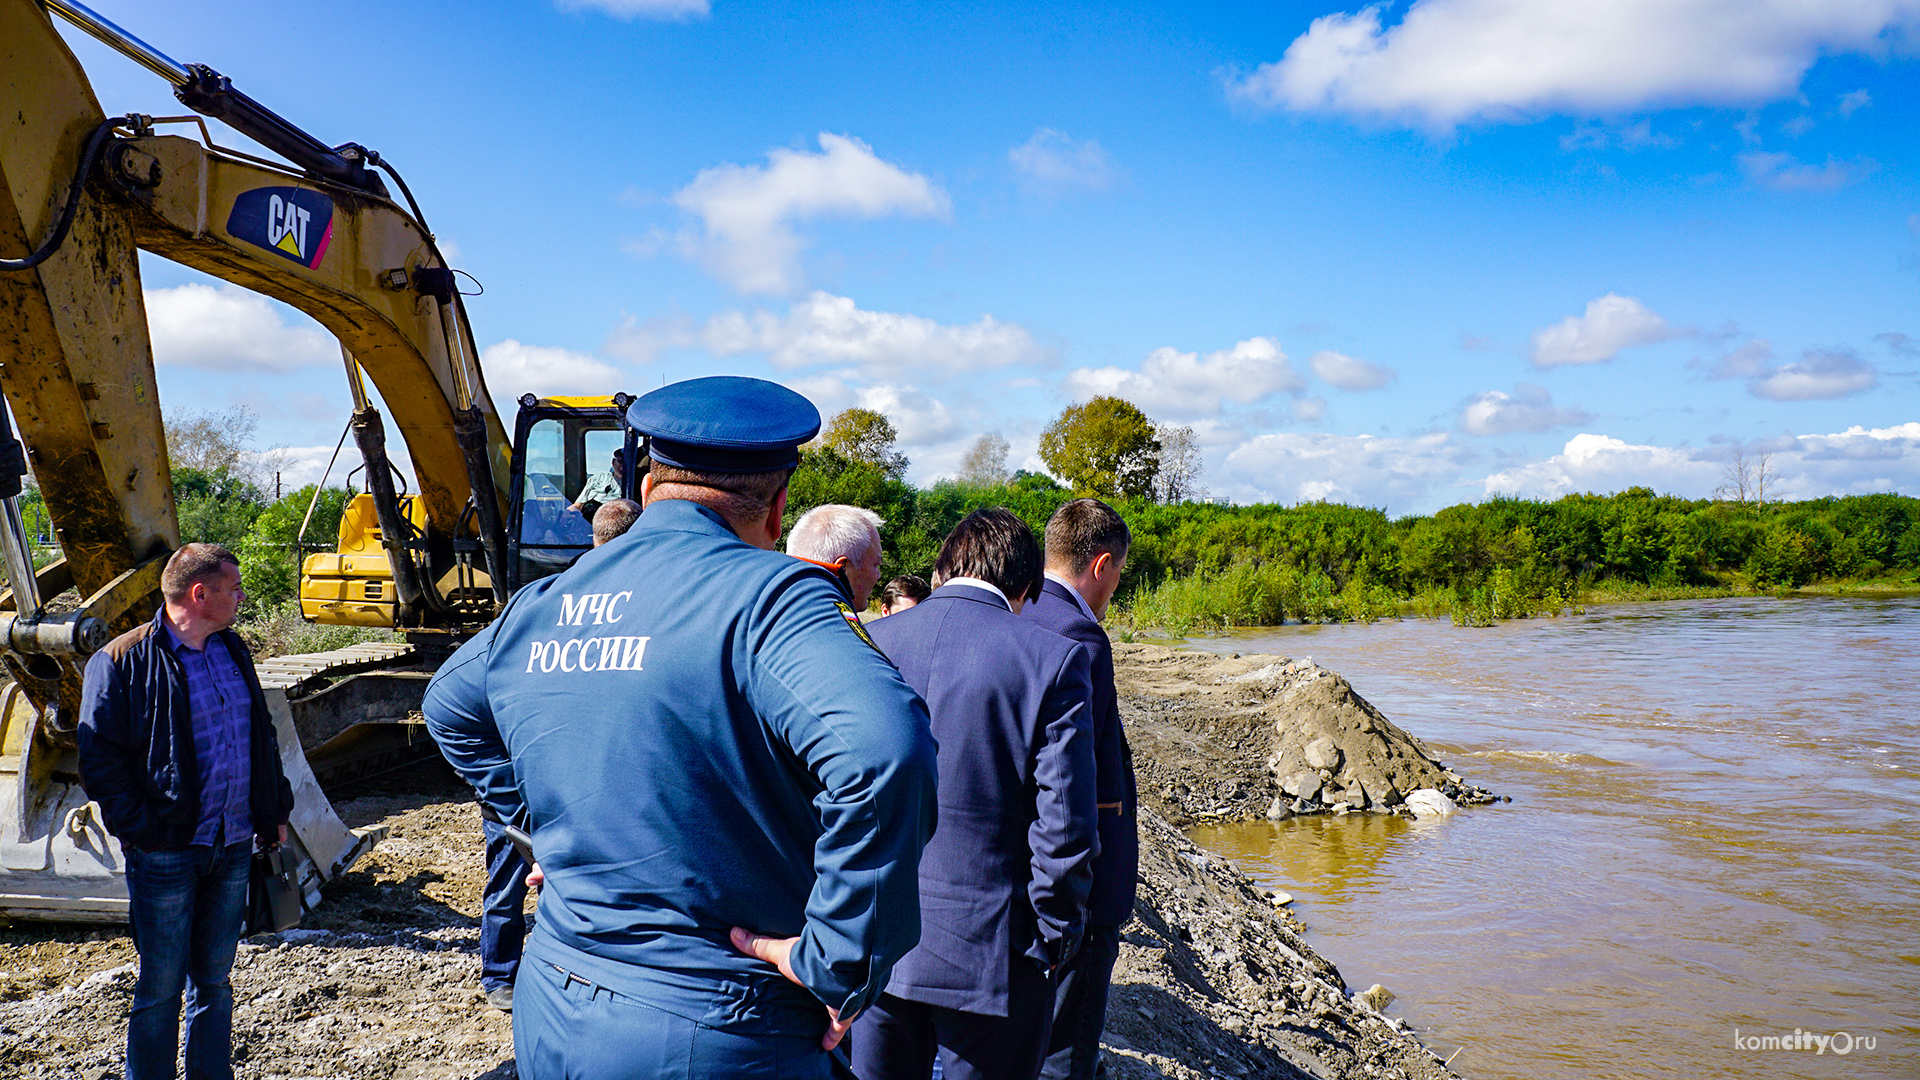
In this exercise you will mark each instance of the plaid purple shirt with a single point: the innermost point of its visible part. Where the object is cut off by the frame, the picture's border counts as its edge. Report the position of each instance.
(221, 709)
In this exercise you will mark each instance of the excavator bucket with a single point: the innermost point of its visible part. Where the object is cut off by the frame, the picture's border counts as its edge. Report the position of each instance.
(61, 864)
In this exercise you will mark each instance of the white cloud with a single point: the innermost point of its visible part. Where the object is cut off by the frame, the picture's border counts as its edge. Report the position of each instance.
(514, 369)
(748, 212)
(1450, 61)
(1632, 137)
(1782, 172)
(1601, 463)
(921, 420)
(1821, 373)
(1856, 461)
(1529, 408)
(1612, 323)
(1400, 474)
(1175, 385)
(1854, 102)
(639, 9)
(1422, 474)
(1746, 362)
(828, 329)
(227, 328)
(1309, 410)
(303, 465)
(1052, 161)
(917, 416)
(1347, 373)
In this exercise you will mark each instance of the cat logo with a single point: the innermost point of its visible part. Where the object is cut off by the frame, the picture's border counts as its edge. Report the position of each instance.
(293, 223)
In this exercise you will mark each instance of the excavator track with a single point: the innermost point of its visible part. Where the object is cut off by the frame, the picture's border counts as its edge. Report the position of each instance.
(356, 710)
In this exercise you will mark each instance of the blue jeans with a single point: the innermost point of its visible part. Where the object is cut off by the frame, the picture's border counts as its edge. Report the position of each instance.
(566, 1029)
(503, 918)
(187, 908)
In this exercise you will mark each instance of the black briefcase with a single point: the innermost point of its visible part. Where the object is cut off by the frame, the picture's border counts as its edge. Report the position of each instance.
(274, 900)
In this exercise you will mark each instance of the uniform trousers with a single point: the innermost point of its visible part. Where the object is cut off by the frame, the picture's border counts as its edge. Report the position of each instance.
(565, 1028)
(503, 916)
(897, 1039)
(1080, 1008)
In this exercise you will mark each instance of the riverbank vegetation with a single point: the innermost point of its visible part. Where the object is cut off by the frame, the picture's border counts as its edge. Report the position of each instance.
(1195, 564)
(1200, 565)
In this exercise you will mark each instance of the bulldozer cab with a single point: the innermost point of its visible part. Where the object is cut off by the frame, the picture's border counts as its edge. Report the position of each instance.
(570, 455)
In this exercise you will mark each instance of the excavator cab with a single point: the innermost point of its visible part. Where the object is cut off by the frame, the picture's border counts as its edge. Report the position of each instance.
(563, 466)
(564, 455)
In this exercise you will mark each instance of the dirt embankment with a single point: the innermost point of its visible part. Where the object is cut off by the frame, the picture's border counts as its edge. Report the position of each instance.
(1235, 738)
(382, 981)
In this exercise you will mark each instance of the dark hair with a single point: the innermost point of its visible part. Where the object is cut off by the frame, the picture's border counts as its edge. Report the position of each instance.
(191, 565)
(1083, 530)
(912, 586)
(614, 517)
(736, 495)
(993, 545)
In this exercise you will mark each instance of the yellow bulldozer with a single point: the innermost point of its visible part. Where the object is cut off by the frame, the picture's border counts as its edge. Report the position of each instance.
(435, 558)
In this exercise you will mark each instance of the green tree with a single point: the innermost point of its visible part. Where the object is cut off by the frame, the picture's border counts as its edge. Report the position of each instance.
(827, 476)
(866, 436)
(214, 506)
(269, 563)
(1105, 449)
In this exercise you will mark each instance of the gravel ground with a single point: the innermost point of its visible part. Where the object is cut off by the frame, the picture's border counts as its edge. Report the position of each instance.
(382, 982)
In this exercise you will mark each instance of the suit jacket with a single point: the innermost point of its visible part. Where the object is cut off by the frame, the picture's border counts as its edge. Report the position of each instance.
(1005, 879)
(1115, 870)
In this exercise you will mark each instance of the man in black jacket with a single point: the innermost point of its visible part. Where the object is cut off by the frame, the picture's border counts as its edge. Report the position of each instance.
(1087, 546)
(177, 747)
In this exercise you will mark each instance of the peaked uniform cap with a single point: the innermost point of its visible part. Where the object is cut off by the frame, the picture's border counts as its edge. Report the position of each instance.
(725, 424)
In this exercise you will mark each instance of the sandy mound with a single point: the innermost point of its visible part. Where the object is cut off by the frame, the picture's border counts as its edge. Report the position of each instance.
(1236, 737)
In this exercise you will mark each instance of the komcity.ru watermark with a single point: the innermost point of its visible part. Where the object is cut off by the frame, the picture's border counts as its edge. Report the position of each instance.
(1838, 1042)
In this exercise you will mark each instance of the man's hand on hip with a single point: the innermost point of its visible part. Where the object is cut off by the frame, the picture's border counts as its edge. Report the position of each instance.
(777, 951)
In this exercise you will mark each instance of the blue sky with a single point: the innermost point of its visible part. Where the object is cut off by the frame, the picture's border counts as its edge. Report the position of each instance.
(1401, 256)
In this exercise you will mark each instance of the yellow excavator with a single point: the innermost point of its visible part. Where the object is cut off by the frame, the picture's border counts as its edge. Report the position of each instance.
(81, 194)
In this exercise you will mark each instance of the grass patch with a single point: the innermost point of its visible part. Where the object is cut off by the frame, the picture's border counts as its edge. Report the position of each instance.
(1614, 590)
(280, 631)
(1246, 594)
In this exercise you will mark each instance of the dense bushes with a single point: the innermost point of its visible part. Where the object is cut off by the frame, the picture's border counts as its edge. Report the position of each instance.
(1199, 565)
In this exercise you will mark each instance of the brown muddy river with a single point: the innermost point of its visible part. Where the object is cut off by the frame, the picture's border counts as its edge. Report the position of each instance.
(1714, 839)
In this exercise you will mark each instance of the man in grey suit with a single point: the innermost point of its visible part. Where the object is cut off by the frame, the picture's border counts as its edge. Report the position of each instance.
(1003, 883)
(1087, 546)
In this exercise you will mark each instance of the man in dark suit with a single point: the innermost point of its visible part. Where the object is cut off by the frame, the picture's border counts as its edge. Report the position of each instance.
(1087, 546)
(1003, 883)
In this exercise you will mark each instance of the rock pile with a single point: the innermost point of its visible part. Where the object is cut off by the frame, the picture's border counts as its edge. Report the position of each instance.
(1234, 738)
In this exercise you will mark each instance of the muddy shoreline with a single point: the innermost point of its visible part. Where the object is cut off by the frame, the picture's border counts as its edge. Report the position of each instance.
(1214, 979)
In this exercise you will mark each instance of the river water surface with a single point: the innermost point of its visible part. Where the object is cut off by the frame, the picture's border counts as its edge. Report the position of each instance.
(1714, 837)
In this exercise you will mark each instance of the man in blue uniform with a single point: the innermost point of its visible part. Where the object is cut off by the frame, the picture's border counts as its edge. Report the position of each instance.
(1086, 547)
(727, 786)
